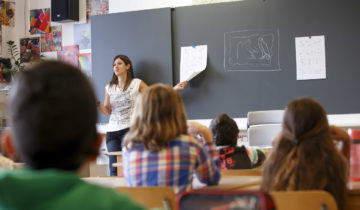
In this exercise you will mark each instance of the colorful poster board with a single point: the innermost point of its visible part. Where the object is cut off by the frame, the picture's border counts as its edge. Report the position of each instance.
(69, 54)
(39, 21)
(85, 63)
(96, 7)
(7, 13)
(82, 36)
(5, 76)
(0, 39)
(30, 49)
(51, 41)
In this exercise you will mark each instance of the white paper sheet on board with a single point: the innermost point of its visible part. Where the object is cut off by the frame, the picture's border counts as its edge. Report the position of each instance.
(192, 61)
(310, 57)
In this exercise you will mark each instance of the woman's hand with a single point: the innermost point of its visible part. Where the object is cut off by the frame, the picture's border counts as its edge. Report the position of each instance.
(106, 108)
(181, 85)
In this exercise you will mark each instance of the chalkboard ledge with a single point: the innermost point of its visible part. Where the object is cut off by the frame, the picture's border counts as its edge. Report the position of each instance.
(342, 120)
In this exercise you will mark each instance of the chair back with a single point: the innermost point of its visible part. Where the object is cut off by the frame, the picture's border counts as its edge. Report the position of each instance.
(299, 200)
(151, 197)
(204, 199)
(265, 117)
(263, 126)
(262, 135)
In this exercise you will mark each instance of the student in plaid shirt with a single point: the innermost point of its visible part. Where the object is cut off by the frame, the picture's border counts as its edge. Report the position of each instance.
(159, 149)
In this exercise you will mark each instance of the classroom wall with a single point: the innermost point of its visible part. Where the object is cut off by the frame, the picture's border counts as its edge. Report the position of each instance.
(21, 29)
(14, 33)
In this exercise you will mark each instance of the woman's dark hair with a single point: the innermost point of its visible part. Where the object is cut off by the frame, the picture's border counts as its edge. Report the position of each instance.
(224, 130)
(129, 72)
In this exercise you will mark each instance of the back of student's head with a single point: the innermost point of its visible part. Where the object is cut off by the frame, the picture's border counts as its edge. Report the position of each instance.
(159, 117)
(305, 156)
(53, 116)
(305, 118)
(225, 130)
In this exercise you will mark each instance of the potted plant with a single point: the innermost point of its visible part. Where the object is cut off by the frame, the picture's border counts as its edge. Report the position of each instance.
(18, 64)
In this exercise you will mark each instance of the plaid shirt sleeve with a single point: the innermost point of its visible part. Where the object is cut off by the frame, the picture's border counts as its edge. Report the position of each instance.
(209, 164)
(172, 166)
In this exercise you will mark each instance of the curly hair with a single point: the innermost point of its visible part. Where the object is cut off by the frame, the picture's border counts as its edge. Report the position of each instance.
(225, 130)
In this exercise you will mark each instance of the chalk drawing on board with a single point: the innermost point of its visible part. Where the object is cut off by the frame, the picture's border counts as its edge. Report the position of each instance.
(251, 50)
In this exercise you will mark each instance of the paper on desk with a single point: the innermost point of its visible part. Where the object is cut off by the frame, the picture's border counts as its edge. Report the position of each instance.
(310, 57)
(192, 61)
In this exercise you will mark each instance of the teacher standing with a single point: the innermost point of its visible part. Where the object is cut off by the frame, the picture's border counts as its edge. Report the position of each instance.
(120, 96)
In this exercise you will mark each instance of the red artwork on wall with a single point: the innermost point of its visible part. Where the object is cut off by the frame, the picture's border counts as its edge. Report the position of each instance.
(69, 54)
(39, 21)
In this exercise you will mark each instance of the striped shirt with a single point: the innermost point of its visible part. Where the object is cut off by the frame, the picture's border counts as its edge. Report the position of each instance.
(172, 166)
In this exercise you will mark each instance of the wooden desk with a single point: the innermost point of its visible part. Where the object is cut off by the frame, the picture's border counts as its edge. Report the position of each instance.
(226, 182)
(230, 182)
(107, 181)
(118, 163)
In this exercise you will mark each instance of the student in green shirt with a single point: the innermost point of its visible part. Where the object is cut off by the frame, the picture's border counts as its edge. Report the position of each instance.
(53, 130)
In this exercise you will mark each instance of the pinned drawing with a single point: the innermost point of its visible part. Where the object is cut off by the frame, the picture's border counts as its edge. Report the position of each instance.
(310, 57)
(193, 60)
(82, 36)
(251, 50)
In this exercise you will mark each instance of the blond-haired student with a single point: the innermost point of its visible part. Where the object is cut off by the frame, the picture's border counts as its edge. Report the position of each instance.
(120, 96)
(160, 150)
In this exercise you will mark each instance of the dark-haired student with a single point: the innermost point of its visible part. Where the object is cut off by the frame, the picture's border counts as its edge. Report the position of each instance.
(160, 150)
(304, 155)
(225, 133)
(53, 130)
(120, 96)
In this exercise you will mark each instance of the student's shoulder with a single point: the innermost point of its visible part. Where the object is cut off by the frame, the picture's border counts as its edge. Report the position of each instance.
(108, 87)
(187, 139)
(107, 198)
(6, 163)
(136, 80)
